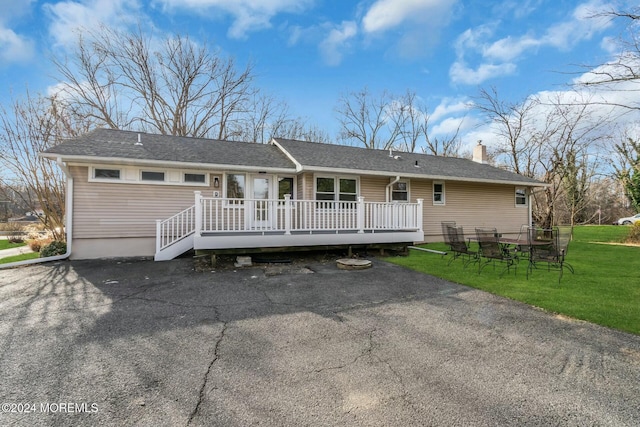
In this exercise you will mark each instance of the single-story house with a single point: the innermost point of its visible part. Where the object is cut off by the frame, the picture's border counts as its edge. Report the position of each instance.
(139, 194)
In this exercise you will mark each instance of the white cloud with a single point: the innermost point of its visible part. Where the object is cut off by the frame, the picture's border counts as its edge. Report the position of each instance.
(248, 15)
(14, 48)
(418, 22)
(499, 58)
(453, 125)
(386, 14)
(461, 73)
(12, 9)
(449, 106)
(68, 17)
(510, 48)
(333, 46)
(583, 25)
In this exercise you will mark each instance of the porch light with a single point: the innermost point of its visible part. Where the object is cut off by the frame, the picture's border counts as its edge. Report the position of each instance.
(216, 182)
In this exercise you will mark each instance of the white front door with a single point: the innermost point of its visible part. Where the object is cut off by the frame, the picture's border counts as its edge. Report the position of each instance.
(260, 195)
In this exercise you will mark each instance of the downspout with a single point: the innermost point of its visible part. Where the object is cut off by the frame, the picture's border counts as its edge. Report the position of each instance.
(68, 224)
(532, 191)
(388, 190)
(68, 209)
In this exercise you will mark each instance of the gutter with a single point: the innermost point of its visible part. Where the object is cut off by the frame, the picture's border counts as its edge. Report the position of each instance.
(68, 225)
(299, 167)
(85, 160)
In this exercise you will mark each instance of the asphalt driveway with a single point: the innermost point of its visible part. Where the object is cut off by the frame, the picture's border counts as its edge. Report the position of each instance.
(142, 343)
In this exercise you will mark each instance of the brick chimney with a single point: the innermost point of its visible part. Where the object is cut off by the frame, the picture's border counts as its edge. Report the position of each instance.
(480, 153)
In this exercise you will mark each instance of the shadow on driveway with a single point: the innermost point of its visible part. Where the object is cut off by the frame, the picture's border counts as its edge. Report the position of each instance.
(126, 342)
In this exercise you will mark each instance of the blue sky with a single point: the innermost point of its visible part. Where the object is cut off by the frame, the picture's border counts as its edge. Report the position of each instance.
(310, 52)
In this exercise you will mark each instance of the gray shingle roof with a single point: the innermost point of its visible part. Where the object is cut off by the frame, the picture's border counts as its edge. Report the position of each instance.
(320, 156)
(118, 144)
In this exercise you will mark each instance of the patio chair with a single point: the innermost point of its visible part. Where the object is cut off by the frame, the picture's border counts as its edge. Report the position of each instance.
(459, 246)
(445, 232)
(492, 251)
(522, 250)
(553, 253)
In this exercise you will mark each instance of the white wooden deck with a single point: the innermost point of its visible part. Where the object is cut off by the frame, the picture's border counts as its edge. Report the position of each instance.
(219, 223)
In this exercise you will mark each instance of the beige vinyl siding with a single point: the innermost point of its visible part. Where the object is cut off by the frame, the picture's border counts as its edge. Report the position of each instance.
(373, 188)
(307, 187)
(470, 205)
(125, 210)
(301, 181)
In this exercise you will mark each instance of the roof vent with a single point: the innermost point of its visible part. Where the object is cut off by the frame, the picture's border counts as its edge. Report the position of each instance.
(390, 152)
(416, 165)
(139, 141)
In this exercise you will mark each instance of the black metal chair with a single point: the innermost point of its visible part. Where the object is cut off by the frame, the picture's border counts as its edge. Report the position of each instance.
(445, 232)
(550, 246)
(491, 250)
(459, 246)
(522, 250)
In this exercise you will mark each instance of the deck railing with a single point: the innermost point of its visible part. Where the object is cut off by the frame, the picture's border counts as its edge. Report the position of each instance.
(175, 228)
(223, 215)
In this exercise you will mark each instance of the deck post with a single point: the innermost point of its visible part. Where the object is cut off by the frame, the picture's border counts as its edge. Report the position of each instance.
(360, 211)
(419, 218)
(287, 214)
(198, 208)
(158, 235)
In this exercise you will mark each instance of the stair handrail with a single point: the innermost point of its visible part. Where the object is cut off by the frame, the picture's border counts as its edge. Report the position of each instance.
(175, 228)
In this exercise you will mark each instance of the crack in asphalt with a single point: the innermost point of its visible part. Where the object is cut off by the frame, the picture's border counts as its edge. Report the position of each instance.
(206, 375)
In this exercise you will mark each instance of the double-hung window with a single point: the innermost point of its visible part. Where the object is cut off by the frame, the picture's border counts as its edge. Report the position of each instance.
(400, 192)
(336, 189)
(521, 196)
(438, 193)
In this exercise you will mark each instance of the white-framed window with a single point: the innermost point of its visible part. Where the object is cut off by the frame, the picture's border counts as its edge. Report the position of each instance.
(521, 196)
(400, 191)
(130, 174)
(194, 178)
(236, 185)
(438, 193)
(106, 174)
(286, 185)
(152, 175)
(336, 188)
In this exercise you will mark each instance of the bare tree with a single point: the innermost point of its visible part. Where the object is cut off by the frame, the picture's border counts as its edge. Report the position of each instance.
(366, 120)
(28, 127)
(550, 140)
(448, 146)
(301, 130)
(172, 86)
(518, 131)
(411, 118)
(622, 73)
(387, 121)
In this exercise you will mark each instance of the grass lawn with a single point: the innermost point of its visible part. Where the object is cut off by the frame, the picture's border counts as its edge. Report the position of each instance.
(22, 257)
(5, 244)
(605, 288)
